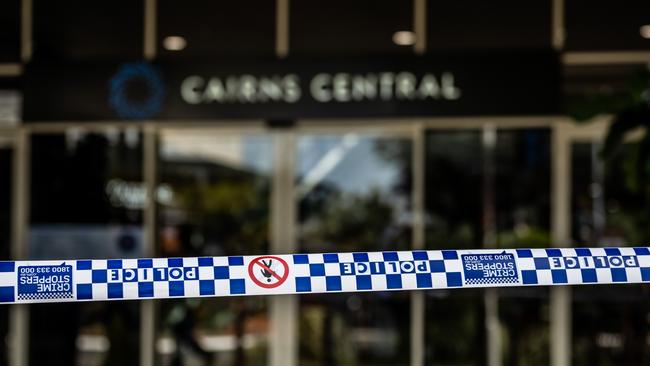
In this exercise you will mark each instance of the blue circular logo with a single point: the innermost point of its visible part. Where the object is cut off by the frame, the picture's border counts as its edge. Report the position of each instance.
(121, 94)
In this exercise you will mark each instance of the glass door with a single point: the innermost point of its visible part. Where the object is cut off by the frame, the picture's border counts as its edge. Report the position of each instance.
(213, 200)
(86, 201)
(354, 193)
(610, 206)
(488, 187)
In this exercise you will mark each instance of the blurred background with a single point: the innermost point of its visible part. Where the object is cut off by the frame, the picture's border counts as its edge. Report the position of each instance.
(133, 128)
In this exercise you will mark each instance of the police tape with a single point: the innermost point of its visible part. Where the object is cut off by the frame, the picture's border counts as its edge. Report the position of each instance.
(156, 278)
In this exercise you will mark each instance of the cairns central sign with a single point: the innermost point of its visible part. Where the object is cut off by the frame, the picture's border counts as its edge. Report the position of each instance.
(459, 84)
(323, 88)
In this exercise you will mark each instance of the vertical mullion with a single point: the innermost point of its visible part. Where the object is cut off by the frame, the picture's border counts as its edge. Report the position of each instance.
(19, 314)
(560, 296)
(417, 297)
(150, 179)
(558, 34)
(26, 29)
(147, 307)
(418, 301)
(283, 309)
(282, 28)
(283, 350)
(491, 296)
(149, 41)
(420, 26)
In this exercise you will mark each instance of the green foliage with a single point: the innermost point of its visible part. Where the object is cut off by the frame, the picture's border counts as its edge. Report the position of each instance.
(218, 208)
(353, 222)
(530, 237)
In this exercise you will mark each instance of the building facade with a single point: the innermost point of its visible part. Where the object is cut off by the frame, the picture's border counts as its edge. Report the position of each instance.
(154, 128)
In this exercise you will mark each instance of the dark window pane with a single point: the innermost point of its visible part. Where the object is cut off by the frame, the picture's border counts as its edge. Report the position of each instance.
(86, 202)
(455, 330)
(453, 194)
(355, 329)
(88, 178)
(488, 24)
(606, 24)
(584, 159)
(93, 333)
(77, 29)
(10, 31)
(213, 200)
(217, 28)
(348, 27)
(609, 205)
(610, 325)
(524, 317)
(522, 188)
(354, 194)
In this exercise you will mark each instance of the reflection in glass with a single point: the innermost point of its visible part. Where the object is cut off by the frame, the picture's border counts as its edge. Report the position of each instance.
(73, 215)
(354, 194)
(610, 208)
(216, 203)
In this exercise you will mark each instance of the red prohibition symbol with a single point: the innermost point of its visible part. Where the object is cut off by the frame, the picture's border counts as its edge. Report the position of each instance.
(265, 273)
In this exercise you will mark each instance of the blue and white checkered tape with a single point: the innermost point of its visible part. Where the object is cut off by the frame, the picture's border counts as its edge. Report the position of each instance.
(122, 279)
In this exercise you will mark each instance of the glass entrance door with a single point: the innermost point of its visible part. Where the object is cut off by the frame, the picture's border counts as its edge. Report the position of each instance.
(487, 187)
(354, 194)
(213, 200)
(610, 207)
(86, 201)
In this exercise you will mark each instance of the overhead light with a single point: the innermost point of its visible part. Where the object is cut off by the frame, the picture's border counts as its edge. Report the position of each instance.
(174, 43)
(404, 38)
(645, 31)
